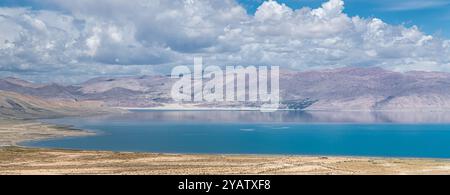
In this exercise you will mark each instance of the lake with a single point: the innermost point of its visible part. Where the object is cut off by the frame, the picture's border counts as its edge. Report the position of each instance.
(388, 134)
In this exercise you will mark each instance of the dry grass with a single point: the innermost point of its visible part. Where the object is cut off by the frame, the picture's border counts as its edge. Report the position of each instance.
(16, 160)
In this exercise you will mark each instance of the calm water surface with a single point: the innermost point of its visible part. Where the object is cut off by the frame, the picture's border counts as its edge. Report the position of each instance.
(400, 134)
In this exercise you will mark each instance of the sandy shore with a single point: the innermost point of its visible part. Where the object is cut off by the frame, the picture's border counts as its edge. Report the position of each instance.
(12, 132)
(16, 160)
(19, 160)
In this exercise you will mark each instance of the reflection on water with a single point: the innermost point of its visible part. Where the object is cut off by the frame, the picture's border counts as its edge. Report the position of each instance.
(384, 134)
(279, 117)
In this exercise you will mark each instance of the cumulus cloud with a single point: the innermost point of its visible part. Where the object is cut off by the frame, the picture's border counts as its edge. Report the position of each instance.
(85, 38)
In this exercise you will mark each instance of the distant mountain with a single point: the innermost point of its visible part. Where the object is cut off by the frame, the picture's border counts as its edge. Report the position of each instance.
(337, 89)
(53, 91)
(141, 91)
(22, 83)
(18, 106)
(368, 89)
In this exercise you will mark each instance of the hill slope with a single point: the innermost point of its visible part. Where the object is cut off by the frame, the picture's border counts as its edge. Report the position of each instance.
(18, 106)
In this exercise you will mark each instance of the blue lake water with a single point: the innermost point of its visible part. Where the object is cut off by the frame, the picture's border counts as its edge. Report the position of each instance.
(233, 132)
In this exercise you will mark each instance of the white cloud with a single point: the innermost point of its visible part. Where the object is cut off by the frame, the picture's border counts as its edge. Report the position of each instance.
(93, 42)
(272, 11)
(113, 37)
(330, 9)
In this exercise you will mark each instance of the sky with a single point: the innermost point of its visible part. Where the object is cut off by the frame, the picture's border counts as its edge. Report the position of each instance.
(71, 41)
(432, 16)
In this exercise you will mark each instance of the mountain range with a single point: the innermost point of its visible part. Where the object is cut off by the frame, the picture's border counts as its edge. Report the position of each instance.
(19, 106)
(334, 89)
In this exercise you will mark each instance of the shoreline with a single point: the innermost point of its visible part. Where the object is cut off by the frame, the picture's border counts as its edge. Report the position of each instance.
(22, 131)
(18, 160)
(54, 131)
(189, 107)
(13, 132)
